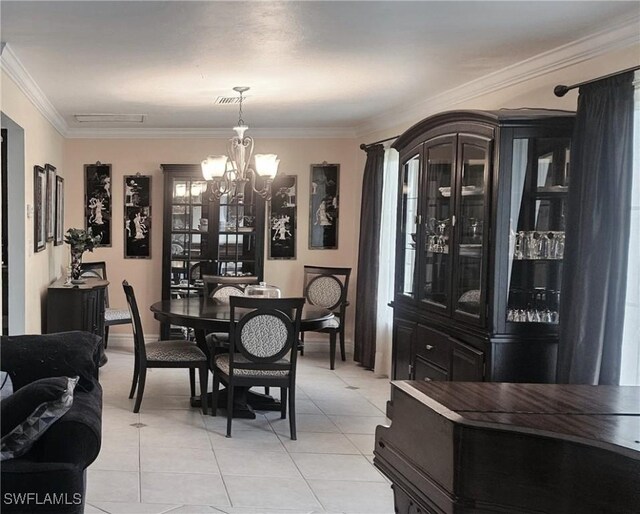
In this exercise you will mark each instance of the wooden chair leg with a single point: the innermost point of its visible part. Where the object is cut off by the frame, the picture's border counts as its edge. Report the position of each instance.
(192, 381)
(302, 345)
(134, 383)
(106, 336)
(214, 394)
(292, 412)
(204, 382)
(267, 389)
(342, 351)
(229, 407)
(141, 381)
(332, 349)
(283, 402)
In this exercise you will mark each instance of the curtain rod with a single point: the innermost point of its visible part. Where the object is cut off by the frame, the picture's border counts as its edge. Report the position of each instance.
(561, 90)
(364, 146)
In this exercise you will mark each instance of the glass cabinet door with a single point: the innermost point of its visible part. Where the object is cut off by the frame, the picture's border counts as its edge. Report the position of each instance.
(471, 189)
(437, 222)
(409, 235)
(539, 185)
(189, 236)
(236, 252)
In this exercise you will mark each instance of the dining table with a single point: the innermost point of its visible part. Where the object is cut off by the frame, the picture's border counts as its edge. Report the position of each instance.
(209, 315)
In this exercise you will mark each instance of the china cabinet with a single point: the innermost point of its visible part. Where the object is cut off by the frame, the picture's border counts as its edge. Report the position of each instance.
(479, 246)
(204, 235)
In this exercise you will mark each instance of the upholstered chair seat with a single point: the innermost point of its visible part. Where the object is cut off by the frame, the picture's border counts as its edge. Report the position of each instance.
(222, 362)
(171, 351)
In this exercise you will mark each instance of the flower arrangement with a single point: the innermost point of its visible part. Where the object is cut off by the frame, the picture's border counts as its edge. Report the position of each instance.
(80, 241)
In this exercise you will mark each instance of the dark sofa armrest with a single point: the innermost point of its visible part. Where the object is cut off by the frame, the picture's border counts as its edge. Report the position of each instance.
(76, 436)
(30, 357)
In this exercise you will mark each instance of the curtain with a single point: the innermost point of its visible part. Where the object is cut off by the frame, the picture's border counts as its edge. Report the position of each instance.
(598, 219)
(386, 268)
(367, 283)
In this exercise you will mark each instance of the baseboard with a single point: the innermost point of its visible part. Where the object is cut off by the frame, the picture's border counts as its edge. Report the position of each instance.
(312, 343)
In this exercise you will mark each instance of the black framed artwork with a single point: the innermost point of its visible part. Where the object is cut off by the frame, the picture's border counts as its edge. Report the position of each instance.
(97, 182)
(50, 217)
(323, 206)
(59, 225)
(137, 216)
(283, 218)
(39, 208)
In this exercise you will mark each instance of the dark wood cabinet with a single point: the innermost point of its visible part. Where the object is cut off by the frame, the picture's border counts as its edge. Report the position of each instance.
(204, 235)
(480, 241)
(77, 307)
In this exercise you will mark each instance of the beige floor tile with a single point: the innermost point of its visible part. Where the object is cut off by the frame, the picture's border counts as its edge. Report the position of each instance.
(304, 423)
(110, 486)
(183, 488)
(134, 508)
(359, 424)
(246, 440)
(344, 407)
(174, 436)
(354, 497)
(117, 458)
(315, 442)
(272, 493)
(364, 442)
(219, 423)
(315, 466)
(256, 463)
(178, 460)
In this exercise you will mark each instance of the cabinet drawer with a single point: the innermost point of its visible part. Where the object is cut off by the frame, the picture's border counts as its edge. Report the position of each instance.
(433, 346)
(428, 372)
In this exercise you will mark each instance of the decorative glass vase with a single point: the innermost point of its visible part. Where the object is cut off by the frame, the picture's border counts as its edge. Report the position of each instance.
(76, 264)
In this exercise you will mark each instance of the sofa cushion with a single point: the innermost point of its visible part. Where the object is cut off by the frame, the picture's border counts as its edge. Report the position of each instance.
(30, 411)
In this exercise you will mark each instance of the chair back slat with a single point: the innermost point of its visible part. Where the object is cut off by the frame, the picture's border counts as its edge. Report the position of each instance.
(222, 293)
(138, 334)
(214, 282)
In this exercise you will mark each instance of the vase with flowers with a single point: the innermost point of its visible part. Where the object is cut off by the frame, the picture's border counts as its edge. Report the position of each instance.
(79, 241)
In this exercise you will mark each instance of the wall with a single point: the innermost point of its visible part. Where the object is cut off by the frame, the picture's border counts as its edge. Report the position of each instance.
(146, 155)
(42, 144)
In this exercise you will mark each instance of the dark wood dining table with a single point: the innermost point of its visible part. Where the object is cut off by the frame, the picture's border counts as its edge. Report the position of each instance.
(205, 316)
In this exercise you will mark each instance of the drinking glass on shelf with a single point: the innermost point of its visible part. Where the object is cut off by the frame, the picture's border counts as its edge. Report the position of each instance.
(542, 246)
(518, 252)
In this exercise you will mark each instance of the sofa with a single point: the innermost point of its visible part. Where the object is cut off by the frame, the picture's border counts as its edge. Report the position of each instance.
(50, 477)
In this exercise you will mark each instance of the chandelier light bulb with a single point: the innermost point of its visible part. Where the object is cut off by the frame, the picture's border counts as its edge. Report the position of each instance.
(267, 165)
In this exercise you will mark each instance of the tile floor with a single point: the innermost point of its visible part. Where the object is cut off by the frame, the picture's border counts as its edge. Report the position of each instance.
(172, 459)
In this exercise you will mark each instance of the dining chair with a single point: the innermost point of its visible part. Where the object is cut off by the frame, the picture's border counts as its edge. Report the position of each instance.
(163, 354)
(328, 287)
(112, 315)
(262, 351)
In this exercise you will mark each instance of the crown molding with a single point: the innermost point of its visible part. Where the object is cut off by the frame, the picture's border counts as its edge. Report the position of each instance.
(11, 65)
(196, 133)
(615, 37)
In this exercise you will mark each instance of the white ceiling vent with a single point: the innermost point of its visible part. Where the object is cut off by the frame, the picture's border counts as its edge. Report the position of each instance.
(109, 118)
(228, 100)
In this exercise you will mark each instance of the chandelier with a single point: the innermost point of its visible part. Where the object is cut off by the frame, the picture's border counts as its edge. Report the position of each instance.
(231, 173)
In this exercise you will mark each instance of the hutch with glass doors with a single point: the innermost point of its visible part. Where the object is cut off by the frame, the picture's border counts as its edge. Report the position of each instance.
(204, 235)
(480, 241)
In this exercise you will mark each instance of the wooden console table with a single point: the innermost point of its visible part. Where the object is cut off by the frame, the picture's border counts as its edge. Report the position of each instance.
(77, 307)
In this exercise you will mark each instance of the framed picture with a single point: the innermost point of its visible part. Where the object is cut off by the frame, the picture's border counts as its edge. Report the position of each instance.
(323, 206)
(51, 201)
(97, 200)
(137, 216)
(39, 208)
(283, 218)
(59, 225)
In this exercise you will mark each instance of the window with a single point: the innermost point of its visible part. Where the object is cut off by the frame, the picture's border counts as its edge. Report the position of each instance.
(630, 366)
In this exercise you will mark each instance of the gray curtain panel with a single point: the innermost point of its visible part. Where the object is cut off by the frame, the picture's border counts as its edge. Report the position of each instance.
(598, 220)
(368, 250)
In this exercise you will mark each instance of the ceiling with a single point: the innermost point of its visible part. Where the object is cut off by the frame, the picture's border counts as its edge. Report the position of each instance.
(309, 64)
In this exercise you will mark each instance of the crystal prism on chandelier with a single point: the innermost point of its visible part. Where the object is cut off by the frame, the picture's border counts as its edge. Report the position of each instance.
(230, 173)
